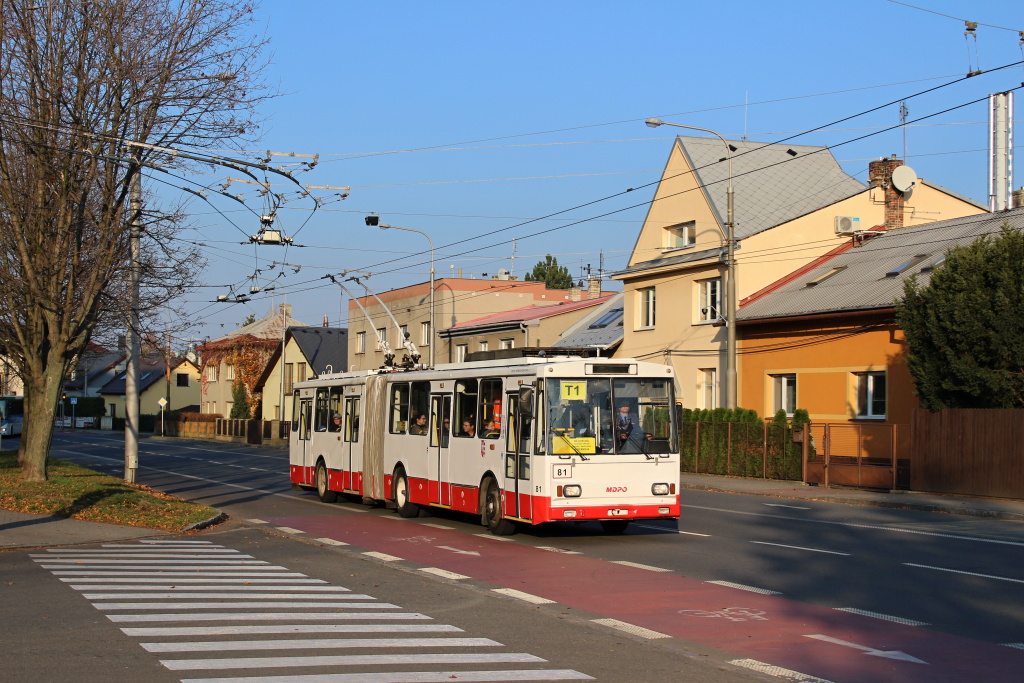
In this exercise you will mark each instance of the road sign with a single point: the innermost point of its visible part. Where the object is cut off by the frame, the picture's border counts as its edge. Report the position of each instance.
(162, 402)
(74, 400)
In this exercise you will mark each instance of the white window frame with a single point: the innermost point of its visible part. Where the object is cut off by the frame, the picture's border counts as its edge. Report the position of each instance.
(709, 387)
(229, 372)
(360, 342)
(681, 236)
(482, 346)
(460, 352)
(646, 308)
(866, 395)
(405, 333)
(210, 372)
(508, 343)
(784, 388)
(382, 337)
(710, 300)
(424, 334)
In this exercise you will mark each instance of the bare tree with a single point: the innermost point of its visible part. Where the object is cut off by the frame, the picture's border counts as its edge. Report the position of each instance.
(91, 93)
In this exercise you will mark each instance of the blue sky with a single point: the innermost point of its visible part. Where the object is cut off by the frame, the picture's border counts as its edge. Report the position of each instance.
(532, 108)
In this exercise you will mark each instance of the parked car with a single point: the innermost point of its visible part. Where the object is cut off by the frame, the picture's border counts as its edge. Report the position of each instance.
(11, 426)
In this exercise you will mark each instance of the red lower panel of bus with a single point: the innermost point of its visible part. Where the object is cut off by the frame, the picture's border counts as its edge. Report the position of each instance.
(466, 499)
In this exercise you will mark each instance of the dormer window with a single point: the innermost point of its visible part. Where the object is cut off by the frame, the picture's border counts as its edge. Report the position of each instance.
(681, 236)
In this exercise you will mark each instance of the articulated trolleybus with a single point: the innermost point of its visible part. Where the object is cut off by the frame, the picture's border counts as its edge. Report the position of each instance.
(517, 441)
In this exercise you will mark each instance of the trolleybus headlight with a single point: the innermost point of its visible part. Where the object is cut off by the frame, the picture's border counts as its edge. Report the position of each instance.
(659, 489)
(572, 491)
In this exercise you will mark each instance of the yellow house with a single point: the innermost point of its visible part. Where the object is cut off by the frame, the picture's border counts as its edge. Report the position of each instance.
(178, 385)
(792, 204)
(308, 352)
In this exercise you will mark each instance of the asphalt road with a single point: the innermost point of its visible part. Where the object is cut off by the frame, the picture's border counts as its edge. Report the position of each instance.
(783, 588)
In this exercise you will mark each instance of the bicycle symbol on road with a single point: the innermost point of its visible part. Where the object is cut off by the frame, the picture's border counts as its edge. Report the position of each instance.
(730, 613)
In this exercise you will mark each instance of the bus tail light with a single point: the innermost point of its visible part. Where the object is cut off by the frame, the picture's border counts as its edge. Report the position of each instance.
(572, 491)
(660, 489)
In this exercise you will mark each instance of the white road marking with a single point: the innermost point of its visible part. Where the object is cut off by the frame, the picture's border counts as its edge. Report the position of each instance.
(780, 505)
(148, 549)
(552, 549)
(348, 660)
(129, 579)
(177, 590)
(177, 568)
(170, 575)
(862, 526)
(777, 671)
(330, 541)
(443, 573)
(494, 538)
(437, 526)
(145, 557)
(797, 547)
(257, 521)
(170, 542)
(887, 654)
(289, 530)
(293, 604)
(740, 586)
(317, 643)
(456, 550)
(637, 565)
(631, 628)
(1019, 646)
(215, 592)
(526, 597)
(886, 617)
(489, 676)
(287, 629)
(266, 616)
(383, 556)
(958, 571)
(166, 563)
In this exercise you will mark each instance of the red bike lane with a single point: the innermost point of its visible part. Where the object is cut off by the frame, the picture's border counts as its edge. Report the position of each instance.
(812, 640)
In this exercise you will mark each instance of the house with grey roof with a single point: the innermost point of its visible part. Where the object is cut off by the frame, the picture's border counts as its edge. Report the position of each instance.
(307, 352)
(824, 337)
(792, 204)
(600, 330)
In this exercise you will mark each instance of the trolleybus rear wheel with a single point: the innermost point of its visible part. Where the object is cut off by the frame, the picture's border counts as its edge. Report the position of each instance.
(322, 490)
(402, 504)
(494, 511)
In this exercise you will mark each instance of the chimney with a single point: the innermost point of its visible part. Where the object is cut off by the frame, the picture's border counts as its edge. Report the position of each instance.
(1018, 199)
(286, 311)
(593, 288)
(576, 293)
(326, 324)
(880, 175)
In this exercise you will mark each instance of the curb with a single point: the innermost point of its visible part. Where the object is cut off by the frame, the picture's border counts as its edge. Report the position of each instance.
(216, 519)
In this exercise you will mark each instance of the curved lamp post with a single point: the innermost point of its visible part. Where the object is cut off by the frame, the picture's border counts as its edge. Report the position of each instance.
(730, 287)
(374, 222)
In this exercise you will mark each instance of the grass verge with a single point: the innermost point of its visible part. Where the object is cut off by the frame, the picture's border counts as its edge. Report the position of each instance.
(80, 493)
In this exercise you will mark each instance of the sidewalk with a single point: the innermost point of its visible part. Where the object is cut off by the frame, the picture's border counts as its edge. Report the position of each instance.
(22, 530)
(996, 508)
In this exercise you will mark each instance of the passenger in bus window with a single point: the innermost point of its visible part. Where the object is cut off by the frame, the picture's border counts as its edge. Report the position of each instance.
(419, 425)
(336, 422)
(491, 430)
(445, 431)
(468, 427)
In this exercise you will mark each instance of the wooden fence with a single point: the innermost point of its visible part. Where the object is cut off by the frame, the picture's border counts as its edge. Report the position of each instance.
(968, 452)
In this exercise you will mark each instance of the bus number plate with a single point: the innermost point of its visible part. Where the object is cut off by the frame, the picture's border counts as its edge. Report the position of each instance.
(617, 512)
(561, 471)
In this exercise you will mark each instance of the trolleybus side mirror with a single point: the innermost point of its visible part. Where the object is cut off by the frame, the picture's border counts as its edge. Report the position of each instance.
(526, 401)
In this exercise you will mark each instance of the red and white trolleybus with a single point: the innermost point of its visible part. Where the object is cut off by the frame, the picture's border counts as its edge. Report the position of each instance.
(517, 441)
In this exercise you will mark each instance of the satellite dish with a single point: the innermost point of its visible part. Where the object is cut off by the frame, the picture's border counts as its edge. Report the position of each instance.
(904, 179)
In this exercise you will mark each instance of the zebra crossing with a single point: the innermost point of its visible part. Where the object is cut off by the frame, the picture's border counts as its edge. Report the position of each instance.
(203, 609)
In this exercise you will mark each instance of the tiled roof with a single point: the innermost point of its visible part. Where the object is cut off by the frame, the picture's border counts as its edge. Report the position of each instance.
(863, 283)
(270, 326)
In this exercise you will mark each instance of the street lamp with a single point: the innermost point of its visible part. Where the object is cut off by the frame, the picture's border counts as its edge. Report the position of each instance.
(374, 222)
(730, 265)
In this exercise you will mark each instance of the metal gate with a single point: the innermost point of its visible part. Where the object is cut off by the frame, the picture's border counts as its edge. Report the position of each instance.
(858, 454)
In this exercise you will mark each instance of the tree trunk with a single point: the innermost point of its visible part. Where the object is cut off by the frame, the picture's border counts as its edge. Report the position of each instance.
(37, 430)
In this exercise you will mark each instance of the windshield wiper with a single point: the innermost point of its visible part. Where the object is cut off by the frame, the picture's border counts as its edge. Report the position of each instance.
(566, 439)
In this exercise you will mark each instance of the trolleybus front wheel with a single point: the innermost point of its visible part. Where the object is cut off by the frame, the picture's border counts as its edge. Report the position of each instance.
(493, 511)
(402, 504)
(322, 490)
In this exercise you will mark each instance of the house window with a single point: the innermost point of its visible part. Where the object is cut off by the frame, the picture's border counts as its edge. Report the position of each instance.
(113, 409)
(709, 304)
(645, 308)
(483, 346)
(508, 343)
(405, 333)
(211, 373)
(360, 342)
(229, 372)
(424, 334)
(382, 338)
(682, 235)
(300, 371)
(709, 381)
(785, 393)
(460, 352)
(289, 378)
(183, 379)
(871, 395)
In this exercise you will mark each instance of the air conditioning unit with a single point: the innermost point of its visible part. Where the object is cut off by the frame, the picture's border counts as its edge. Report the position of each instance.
(847, 225)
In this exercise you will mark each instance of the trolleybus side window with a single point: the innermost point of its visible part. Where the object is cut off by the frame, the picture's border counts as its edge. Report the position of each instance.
(295, 411)
(465, 404)
(352, 419)
(490, 408)
(517, 434)
(323, 410)
(418, 412)
(334, 425)
(399, 407)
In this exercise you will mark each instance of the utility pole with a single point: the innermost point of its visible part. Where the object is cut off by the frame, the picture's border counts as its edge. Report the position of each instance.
(131, 384)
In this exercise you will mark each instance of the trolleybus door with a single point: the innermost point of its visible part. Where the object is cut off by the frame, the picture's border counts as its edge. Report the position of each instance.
(305, 422)
(352, 448)
(437, 462)
(518, 431)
